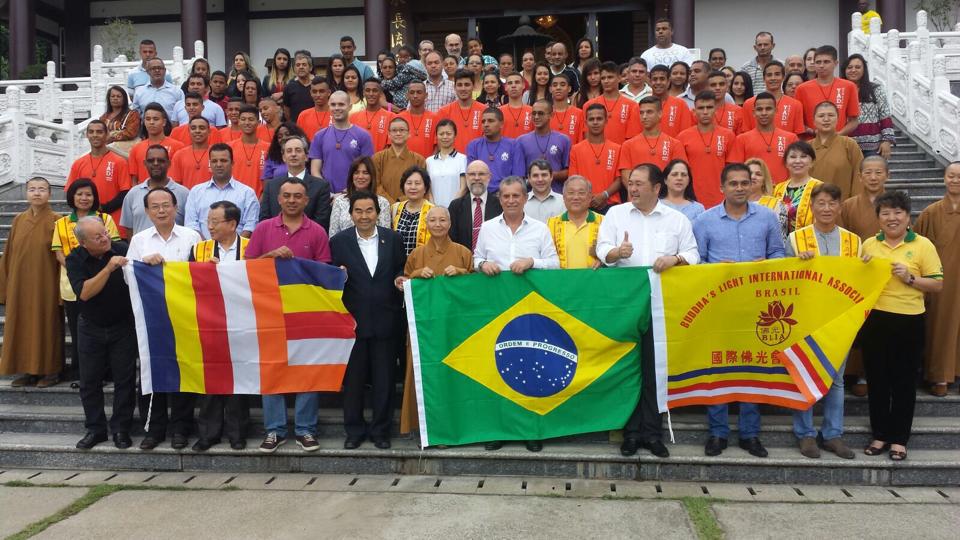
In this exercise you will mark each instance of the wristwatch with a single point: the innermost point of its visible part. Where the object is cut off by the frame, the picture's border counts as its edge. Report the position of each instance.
(912, 279)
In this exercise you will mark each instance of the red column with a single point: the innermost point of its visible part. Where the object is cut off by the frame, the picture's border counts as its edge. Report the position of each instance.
(375, 27)
(681, 13)
(23, 35)
(193, 25)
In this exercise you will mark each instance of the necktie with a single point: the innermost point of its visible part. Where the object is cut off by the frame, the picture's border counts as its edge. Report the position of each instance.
(477, 219)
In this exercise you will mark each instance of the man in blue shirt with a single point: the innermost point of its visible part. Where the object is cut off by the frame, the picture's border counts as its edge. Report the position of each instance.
(139, 76)
(347, 48)
(737, 231)
(501, 154)
(157, 90)
(211, 111)
(221, 187)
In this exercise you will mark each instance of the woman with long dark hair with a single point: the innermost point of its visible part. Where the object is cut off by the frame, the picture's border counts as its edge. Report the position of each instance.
(279, 75)
(678, 193)
(352, 85)
(122, 122)
(335, 68)
(741, 88)
(491, 91)
(679, 78)
(538, 88)
(589, 82)
(585, 51)
(362, 176)
(875, 133)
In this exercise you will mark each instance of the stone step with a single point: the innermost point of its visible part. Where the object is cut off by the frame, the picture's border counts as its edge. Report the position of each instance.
(571, 460)
(928, 432)
(907, 152)
(917, 172)
(900, 164)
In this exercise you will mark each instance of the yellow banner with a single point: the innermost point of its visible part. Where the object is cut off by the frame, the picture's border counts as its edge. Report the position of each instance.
(772, 332)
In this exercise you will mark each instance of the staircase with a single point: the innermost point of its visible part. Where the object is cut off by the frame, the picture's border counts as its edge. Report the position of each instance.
(39, 427)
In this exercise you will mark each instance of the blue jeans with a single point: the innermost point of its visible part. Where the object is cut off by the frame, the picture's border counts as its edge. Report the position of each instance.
(306, 410)
(749, 422)
(832, 426)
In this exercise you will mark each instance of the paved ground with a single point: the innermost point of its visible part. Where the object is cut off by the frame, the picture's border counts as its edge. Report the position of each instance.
(224, 505)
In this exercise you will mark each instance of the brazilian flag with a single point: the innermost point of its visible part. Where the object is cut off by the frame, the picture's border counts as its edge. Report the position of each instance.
(546, 354)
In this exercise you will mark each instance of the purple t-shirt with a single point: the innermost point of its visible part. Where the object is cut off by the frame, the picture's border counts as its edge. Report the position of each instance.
(555, 148)
(272, 169)
(338, 148)
(504, 158)
(310, 241)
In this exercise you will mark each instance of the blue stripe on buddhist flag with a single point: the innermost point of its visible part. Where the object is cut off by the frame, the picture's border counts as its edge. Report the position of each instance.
(165, 371)
(305, 272)
(818, 352)
(727, 369)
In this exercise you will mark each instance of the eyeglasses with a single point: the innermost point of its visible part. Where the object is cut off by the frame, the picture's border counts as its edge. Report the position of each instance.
(158, 207)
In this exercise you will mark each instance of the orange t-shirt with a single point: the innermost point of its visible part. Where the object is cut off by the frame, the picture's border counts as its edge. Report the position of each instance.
(707, 154)
(190, 167)
(569, 122)
(675, 116)
(659, 151)
(599, 163)
(228, 135)
(376, 124)
(770, 147)
(108, 172)
(265, 133)
(841, 92)
(517, 122)
(248, 162)
(467, 121)
(789, 115)
(136, 168)
(623, 118)
(729, 116)
(181, 134)
(311, 121)
(423, 132)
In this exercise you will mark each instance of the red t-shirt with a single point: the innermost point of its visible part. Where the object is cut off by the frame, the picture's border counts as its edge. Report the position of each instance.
(707, 154)
(675, 116)
(658, 151)
(623, 118)
(789, 115)
(841, 92)
(190, 167)
(108, 172)
(423, 132)
(248, 163)
(181, 134)
(376, 124)
(517, 122)
(311, 121)
(599, 163)
(569, 122)
(136, 168)
(770, 147)
(729, 116)
(467, 121)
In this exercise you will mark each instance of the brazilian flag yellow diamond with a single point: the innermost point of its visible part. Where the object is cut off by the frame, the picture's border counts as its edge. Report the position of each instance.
(536, 355)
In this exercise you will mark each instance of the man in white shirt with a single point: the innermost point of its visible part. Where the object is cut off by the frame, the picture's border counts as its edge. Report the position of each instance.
(664, 239)
(665, 52)
(542, 203)
(165, 241)
(636, 87)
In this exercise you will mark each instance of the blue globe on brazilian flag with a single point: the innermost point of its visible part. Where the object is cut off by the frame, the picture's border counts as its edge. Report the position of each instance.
(542, 355)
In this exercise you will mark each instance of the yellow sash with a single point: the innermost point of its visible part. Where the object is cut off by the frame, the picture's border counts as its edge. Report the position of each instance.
(805, 239)
(558, 232)
(422, 233)
(65, 227)
(204, 251)
(804, 215)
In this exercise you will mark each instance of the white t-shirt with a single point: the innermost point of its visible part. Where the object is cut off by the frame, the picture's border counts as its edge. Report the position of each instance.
(656, 56)
(445, 176)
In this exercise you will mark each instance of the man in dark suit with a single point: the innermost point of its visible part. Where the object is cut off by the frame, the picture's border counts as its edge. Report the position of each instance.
(468, 212)
(374, 258)
(318, 189)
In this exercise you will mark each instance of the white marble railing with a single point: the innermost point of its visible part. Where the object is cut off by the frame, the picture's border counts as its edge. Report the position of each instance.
(915, 69)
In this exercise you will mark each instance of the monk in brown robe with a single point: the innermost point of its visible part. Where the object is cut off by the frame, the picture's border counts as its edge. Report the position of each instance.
(30, 288)
(838, 156)
(940, 222)
(440, 256)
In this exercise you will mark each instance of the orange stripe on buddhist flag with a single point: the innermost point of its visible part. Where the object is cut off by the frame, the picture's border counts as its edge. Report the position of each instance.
(271, 333)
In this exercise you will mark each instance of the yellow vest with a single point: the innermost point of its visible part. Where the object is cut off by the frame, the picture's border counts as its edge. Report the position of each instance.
(422, 233)
(805, 239)
(558, 232)
(205, 251)
(804, 215)
(768, 201)
(65, 226)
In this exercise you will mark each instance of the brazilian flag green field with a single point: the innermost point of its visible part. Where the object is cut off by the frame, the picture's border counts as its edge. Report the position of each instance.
(546, 354)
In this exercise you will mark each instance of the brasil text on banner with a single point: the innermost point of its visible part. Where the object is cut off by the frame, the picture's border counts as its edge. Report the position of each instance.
(264, 326)
(772, 332)
(545, 354)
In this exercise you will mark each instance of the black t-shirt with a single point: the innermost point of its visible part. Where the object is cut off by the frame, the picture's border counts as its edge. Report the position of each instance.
(297, 97)
(112, 305)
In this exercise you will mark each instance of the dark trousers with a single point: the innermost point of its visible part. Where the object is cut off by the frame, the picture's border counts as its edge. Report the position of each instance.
(102, 347)
(154, 415)
(892, 346)
(376, 359)
(223, 416)
(73, 313)
(646, 422)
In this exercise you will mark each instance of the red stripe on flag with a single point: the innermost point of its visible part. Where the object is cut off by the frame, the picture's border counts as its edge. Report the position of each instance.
(713, 385)
(319, 324)
(212, 329)
(802, 355)
(673, 403)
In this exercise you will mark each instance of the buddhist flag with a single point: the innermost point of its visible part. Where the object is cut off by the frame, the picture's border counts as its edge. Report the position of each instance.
(772, 332)
(545, 354)
(267, 326)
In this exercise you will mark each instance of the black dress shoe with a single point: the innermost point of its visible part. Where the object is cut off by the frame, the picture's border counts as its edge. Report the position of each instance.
(122, 440)
(493, 445)
(534, 446)
(202, 445)
(179, 441)
(656, 447)
(352, 443)
(238, 444)
(629, 446)
(90, 440)
(150, 442)
(382, 444)
(753, 446)
(715, 446)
